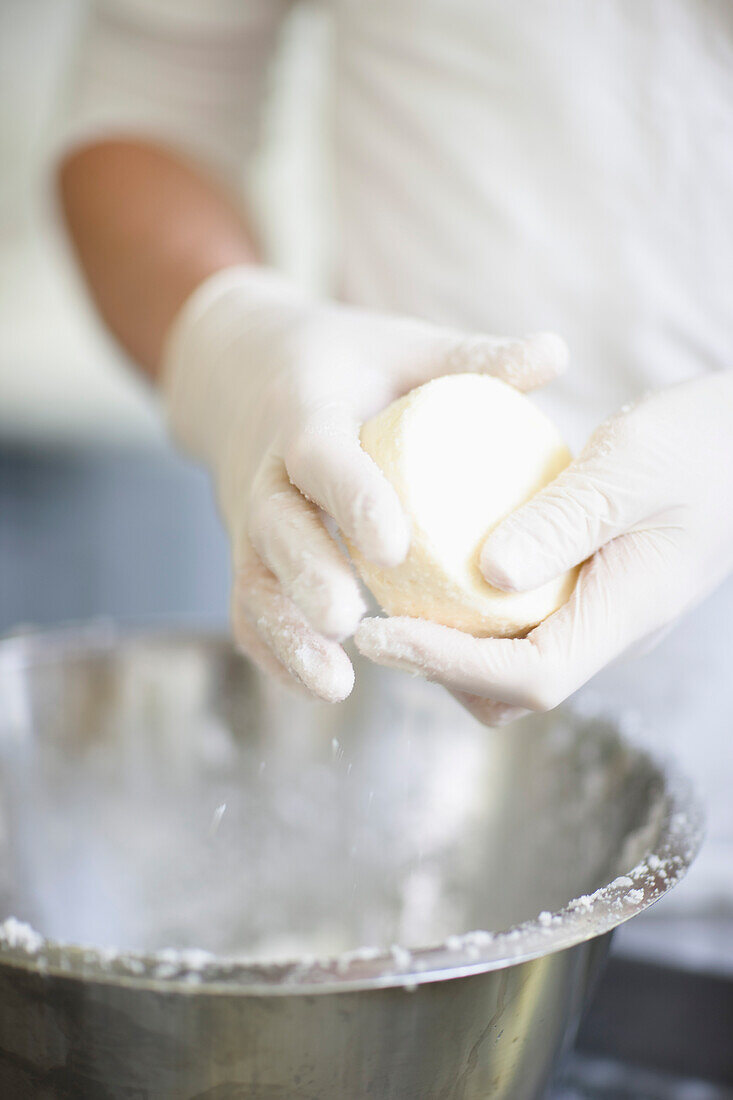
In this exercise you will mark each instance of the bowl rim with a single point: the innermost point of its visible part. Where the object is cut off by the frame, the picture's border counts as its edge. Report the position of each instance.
(679, 834)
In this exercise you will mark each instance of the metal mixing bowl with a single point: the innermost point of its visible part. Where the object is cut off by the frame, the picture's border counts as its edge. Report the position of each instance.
(243, 895)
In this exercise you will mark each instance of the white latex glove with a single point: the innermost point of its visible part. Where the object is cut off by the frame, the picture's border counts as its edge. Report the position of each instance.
(649, 503)
(270, 388)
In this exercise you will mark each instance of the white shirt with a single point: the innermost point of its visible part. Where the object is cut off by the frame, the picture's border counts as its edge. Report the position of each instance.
(554, 164)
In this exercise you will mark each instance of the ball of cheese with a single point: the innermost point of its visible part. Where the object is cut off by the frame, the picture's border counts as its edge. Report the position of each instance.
(462, 452)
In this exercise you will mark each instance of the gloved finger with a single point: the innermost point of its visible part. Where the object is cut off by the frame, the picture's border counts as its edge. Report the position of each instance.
(596, 498)
(325, 460)
(249, 643)
(288, 533)
(490, 668)
(623, 593)
(488, 711)
(525, 363)
(317, 663)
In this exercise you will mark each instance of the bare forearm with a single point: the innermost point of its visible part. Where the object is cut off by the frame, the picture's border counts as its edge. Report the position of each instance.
(147, 229)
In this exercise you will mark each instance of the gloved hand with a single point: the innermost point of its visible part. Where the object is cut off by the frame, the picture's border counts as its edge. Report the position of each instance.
(649, 503)
(270, 388)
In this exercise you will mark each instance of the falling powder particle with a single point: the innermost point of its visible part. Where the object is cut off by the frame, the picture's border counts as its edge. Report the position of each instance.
(216, 819)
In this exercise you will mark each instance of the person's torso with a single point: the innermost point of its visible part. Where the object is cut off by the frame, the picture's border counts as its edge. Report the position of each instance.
(566, 165)
(557, 164)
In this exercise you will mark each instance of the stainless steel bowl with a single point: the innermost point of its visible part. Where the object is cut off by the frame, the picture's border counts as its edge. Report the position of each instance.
(241, 895)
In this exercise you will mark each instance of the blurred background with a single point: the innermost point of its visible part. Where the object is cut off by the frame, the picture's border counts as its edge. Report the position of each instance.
(90, 492)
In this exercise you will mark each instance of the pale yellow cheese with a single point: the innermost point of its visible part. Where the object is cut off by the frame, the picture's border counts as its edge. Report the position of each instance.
(462, 452)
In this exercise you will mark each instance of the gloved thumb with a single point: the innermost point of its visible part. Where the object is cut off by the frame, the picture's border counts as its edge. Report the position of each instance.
(596, 498)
